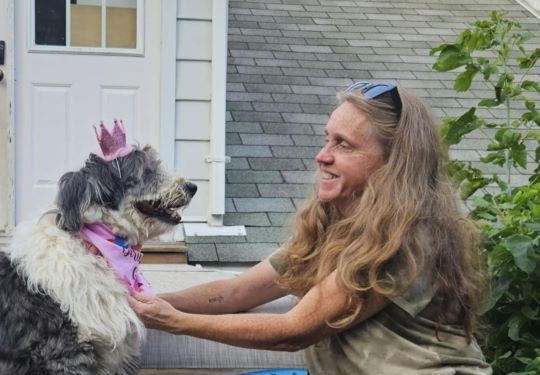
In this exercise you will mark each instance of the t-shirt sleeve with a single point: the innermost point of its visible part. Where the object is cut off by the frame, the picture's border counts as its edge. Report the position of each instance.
(277, 260)
(417, 296)
(422, 290)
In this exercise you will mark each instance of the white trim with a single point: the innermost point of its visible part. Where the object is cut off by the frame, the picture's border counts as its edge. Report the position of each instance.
(194, 219)
(85, 50)
(168, 83)
(176, 235)
(103, 25)
(141, 27)
(532, 6)
(9, 141)
(68, 23)
(205, 230)
(216, 204)
(11, 125)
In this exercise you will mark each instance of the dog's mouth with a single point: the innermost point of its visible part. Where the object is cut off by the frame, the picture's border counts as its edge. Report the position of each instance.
(168, 211)
(155, 209)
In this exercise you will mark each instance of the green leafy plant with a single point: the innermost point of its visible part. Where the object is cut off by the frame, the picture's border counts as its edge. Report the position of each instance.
(492, 53)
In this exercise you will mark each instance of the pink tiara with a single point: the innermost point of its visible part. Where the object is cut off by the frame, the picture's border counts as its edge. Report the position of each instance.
(112, 143)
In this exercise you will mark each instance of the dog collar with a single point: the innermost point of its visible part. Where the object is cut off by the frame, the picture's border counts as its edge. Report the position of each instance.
(121, 257)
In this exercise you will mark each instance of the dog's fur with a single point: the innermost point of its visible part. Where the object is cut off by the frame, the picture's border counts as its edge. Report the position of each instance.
(62, 309)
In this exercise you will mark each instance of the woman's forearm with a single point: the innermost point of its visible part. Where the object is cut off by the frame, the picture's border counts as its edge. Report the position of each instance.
(239, 293)
(256, 331)
(211, 298)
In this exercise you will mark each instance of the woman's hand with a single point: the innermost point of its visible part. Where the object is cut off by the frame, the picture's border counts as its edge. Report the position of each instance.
(155, 312)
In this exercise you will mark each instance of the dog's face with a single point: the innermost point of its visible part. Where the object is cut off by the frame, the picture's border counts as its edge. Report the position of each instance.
(133, 195)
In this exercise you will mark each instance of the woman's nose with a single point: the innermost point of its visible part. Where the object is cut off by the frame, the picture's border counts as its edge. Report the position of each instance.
(324, 157)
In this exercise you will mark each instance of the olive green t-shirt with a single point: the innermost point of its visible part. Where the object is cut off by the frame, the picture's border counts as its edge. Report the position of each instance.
(397, 340)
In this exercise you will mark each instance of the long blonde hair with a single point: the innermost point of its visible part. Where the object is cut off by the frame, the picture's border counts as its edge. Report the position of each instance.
(381, 245)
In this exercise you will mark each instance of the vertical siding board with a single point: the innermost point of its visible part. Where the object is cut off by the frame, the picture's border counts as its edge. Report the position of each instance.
(200, 88)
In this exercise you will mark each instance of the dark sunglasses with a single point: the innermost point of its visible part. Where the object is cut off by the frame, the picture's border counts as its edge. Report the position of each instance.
(374, 90)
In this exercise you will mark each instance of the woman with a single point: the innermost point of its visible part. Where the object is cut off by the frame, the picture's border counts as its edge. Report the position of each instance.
(381, 258)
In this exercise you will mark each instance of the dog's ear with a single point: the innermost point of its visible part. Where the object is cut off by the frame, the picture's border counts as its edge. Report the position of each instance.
(74, 197)
(106, 187)
(136, 166)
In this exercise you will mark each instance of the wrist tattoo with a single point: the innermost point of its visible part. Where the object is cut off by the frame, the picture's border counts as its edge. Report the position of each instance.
(216, 299)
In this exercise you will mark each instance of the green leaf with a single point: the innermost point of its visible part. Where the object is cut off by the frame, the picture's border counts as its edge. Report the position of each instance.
(530, 313)
(508, 354)
(488, 103)
(524, 37)
(438, 48)
(519, 156)
(533, 134)
(497, 158)
(532, 226)
(531, 86)
(453, 130)
(519, 246)
(514, 326)
(464, 80)
(527, 62)
(451, 56)
(497, 291)
(469, 187)
(488, 69)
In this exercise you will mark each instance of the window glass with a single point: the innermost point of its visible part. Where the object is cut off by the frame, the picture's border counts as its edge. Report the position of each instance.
(50, 19)
(86, 23)
(121, 24)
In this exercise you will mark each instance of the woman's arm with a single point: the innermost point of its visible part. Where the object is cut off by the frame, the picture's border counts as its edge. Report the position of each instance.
(243, 292)
(304, 325)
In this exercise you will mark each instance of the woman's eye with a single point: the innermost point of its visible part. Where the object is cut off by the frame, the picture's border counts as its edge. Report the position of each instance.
(343, 145)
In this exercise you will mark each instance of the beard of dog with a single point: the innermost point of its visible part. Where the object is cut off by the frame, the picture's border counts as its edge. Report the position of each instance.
(49, 259)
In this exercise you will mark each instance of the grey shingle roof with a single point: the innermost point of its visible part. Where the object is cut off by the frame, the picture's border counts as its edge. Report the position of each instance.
(287, 59)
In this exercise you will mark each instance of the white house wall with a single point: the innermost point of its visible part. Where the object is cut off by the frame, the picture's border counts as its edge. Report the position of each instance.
(195, 101)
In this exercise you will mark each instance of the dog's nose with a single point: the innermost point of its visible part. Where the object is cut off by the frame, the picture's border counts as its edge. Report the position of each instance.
(190, 188)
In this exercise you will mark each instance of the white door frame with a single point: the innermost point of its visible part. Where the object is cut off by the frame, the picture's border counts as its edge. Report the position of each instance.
(7, 168)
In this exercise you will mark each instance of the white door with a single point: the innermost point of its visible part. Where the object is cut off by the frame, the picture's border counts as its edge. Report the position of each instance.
(78, 62)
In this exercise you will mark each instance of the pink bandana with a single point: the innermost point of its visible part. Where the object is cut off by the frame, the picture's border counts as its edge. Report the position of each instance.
(121, 257)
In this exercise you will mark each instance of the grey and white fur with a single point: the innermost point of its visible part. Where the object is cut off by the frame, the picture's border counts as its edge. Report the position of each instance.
(62, 310)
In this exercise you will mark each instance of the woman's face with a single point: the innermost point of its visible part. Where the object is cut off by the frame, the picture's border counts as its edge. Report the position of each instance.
(350, 156)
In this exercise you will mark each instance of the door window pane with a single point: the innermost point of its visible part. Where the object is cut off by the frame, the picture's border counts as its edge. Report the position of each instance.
(50, 18)
(86, 23)
(121, 24)
(95, 24)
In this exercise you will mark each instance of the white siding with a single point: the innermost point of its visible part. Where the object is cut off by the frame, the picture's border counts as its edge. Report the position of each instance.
(194, 40)
(196, 131)
(195, 9)
(196, 152)
(193, 119)
(193, 80)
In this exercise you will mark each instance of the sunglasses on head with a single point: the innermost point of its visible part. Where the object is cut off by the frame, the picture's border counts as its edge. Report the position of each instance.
(374, 90)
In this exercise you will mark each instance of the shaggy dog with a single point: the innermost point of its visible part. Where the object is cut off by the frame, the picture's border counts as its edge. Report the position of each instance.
(63, 310)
